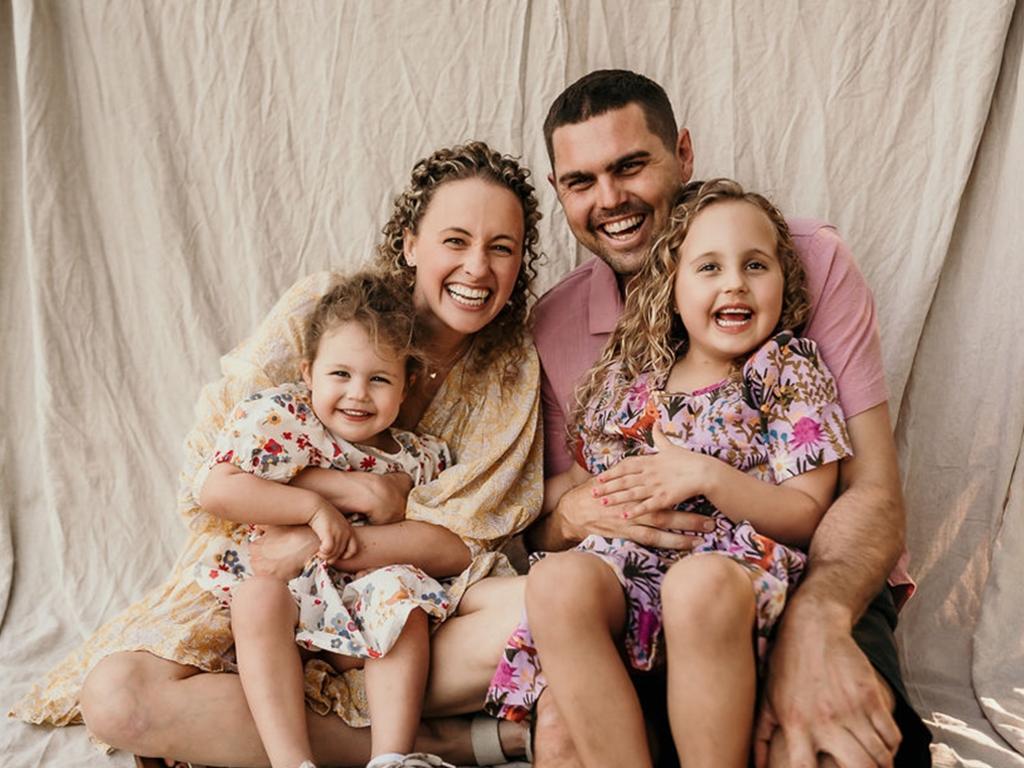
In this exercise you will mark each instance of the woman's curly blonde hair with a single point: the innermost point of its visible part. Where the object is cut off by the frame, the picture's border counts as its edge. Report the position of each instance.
(650, 335)
(503, 336)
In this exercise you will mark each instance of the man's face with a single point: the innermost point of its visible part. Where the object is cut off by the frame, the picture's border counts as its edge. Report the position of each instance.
(616, 181)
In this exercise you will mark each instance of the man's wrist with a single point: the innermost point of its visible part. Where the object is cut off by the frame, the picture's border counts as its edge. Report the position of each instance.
(812, 607)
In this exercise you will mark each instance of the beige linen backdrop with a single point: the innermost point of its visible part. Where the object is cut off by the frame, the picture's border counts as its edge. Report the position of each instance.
(168, 169)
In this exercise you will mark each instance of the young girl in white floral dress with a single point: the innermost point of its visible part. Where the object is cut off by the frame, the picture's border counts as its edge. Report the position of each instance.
(704, 371)
(360, 357)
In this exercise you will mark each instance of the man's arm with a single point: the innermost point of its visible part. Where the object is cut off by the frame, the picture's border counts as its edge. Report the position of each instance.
(821, 691)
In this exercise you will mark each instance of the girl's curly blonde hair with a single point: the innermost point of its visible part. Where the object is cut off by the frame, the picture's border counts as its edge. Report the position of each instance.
(503, 336)
(650, 335)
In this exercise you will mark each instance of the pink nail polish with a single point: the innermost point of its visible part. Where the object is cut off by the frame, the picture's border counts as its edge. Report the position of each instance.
(604, 502)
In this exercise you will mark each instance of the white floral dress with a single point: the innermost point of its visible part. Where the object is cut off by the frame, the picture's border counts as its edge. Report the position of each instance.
(274, 434)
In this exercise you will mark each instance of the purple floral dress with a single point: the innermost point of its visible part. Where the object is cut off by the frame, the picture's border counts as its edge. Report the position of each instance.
(274, 434)
(776, 419)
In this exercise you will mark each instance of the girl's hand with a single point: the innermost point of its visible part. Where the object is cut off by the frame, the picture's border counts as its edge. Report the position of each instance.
(334, 532)
(643, 485)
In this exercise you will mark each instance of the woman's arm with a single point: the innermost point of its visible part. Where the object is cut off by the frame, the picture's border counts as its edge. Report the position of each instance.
(380, 497)
(438, 551)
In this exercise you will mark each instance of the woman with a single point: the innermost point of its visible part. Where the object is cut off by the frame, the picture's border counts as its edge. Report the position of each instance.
(462, 239)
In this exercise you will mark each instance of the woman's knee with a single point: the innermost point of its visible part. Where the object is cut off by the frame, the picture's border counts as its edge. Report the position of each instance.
(571, 584)
(706, 595)
(114, 700)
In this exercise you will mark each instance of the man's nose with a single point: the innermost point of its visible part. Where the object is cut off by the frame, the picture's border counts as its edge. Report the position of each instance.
(610, 193)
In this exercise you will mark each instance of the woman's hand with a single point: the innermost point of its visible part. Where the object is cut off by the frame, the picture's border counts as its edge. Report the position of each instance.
(283, 550)
(334, 532)
(642, 485)
(381, 498)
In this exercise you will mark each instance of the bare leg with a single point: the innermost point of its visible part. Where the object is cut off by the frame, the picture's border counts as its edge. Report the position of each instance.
(395, 685)
(577, 610)
(263, 617)
(552, 745)
(466, 649)
(708, 606)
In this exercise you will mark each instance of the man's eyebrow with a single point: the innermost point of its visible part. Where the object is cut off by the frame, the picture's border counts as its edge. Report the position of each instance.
(640, 154)
(572, 176)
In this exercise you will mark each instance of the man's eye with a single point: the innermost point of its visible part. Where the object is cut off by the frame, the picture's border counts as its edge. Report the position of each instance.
(633, 166)
(578, 185)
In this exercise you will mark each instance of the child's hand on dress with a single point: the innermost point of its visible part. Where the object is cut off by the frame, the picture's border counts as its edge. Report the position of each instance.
(653, 483)
(334, 532)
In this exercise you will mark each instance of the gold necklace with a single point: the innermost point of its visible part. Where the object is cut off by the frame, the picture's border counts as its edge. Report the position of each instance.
(444, 367)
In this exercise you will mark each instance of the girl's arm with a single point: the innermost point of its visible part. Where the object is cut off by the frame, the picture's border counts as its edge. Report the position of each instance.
(788, 512)
(381, 498)
(232, 494)
(436, 550)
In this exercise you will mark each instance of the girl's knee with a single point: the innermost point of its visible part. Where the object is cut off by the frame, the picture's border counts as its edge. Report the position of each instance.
(703, 594)
(261, 599)
(570, 583)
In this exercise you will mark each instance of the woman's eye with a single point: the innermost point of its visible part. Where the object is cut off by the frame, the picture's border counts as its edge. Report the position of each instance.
(455, 241)
(507, 250)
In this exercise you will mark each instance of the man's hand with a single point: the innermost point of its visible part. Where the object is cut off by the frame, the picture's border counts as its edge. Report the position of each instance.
(283, 550)
(822, 697)
(583, 513)
(641, 485)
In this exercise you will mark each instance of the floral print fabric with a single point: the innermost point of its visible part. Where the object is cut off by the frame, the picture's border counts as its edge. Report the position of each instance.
(274, 434)
(779, 417)
(492, 492)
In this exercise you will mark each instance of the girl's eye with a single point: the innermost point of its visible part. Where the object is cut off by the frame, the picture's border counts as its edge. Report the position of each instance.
(757, 265)
(707, 267)
(341, 374)
(381, 379)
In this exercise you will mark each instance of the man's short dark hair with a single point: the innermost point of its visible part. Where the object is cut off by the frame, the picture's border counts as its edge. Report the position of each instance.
(604, 90)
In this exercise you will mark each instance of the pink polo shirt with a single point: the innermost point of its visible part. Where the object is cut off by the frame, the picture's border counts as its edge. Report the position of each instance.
(575, 318)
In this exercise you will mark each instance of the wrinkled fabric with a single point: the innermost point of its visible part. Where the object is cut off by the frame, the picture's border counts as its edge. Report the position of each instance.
(168, 169)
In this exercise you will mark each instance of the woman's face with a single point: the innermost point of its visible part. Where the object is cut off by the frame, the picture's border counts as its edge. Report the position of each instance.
(467, 254)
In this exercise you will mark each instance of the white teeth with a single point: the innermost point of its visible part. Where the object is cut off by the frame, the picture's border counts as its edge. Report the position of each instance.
(731, 318)
(615, 227)
(464, 294)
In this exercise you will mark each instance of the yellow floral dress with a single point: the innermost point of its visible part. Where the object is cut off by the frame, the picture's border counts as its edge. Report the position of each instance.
(492, 492)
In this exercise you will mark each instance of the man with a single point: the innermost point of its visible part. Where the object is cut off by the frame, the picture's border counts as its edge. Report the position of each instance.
(833, 689)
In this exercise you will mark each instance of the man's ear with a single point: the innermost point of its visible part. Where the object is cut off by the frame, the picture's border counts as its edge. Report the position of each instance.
(684, 154)
(551, 181)
(307, 373)
(408, 241)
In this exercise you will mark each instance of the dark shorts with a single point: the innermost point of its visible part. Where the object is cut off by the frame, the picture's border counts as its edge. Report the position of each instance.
(874, 635)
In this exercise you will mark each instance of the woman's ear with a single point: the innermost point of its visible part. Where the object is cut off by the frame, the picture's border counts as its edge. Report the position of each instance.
(408, 247)
(307, 373)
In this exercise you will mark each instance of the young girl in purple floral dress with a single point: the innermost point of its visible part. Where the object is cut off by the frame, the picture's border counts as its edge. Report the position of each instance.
(705, 371)
(360, 359)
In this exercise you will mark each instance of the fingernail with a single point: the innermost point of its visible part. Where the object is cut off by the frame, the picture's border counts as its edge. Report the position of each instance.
(604, 502)
(593, 492)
